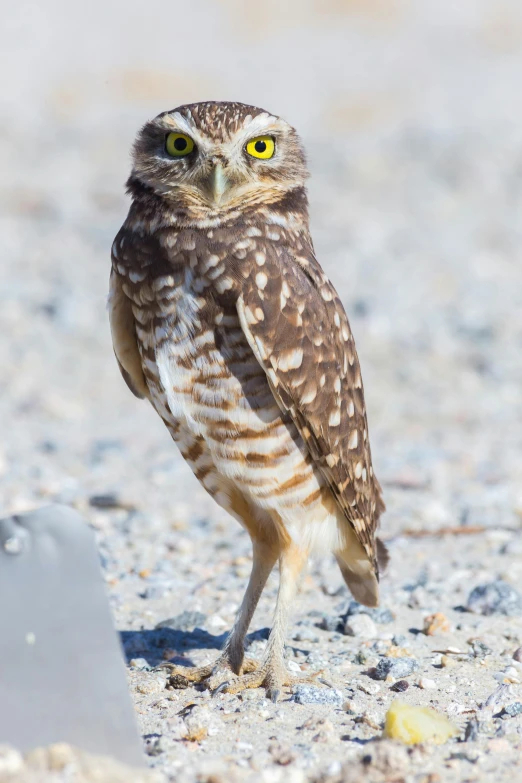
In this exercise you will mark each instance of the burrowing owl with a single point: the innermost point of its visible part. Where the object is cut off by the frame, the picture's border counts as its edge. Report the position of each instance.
(223, 318)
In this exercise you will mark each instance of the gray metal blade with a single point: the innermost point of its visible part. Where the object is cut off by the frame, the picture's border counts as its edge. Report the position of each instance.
(62, 676)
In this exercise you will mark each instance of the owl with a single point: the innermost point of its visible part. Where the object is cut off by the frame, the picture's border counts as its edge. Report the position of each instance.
(222, 317)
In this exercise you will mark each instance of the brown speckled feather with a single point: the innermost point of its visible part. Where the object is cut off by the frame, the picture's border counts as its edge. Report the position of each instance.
(124, 341)
(298, 329)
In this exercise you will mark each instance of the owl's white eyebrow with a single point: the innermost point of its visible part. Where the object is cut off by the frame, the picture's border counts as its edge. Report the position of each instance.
(178, 123)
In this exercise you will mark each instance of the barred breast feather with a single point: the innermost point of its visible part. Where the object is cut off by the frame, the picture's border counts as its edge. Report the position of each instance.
(244, 348)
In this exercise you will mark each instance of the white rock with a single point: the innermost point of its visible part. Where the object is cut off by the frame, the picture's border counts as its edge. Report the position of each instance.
(509, 675)
(362, 626)
(293, 666)
(370, 687)
(426, 684)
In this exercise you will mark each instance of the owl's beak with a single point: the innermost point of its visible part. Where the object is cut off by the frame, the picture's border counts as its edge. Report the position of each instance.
(219, 183)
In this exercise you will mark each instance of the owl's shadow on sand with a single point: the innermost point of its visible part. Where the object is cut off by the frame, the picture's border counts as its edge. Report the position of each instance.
(159, 644)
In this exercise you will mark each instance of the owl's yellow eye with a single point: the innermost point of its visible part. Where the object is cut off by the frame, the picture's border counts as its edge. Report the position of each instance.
(178, 145)
(261, 147)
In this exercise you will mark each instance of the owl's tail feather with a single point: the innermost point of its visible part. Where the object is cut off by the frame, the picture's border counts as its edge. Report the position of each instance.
(359, 576)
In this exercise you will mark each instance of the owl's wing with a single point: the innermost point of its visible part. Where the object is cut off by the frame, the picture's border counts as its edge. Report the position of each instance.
(123, 332)
(298, 330)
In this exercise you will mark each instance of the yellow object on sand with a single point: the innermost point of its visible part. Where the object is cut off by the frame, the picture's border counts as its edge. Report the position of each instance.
(412, 725)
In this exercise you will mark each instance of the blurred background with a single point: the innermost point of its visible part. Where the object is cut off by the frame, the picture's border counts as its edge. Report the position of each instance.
(412, 118)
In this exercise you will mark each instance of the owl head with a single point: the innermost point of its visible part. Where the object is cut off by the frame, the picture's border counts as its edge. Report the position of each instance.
(217, 157)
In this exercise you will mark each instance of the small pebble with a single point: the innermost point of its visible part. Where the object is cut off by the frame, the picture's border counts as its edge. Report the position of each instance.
(103, 501)
(316, 659)
(399, 640)
(509, 675)
(497, 700)
(154, 683)
(139, 663)
(400, 686)
(186, 621)
(517, 655)
(370, 687)
(495, 598)
(361, 626)
(363, 658)
(371, 720)
(426, 684)
(379, 615)
(395, 667)
(513, 709)
(436, 623)
(197, 723)
(479, 649)
(154, 744)
(447, 662)
(305, 634)
(310, 694)
(331, 623)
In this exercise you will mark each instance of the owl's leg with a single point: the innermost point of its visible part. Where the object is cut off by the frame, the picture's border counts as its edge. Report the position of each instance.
(272, 673)
(264, 559)
(232, 658)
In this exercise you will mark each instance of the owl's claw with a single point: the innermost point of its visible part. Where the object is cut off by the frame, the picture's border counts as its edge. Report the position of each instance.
(220, 688)
(185, 676)
(273, 694)
(270, 675)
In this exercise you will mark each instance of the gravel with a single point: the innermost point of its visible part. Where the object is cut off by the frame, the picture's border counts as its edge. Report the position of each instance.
(186, 621)
(309, 694)
(361, 626)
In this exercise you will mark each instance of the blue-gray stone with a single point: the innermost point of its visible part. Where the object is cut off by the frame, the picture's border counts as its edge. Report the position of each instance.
(186, 621)
(513, 709)
(380, 615)
(495, 598)
(396, 667)
(311, 694)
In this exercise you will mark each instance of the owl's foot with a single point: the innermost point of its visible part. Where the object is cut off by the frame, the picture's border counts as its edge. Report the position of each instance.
(183, 676)
(268, 675)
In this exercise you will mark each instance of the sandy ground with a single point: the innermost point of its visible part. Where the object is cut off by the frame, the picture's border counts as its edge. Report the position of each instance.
(416, 195)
